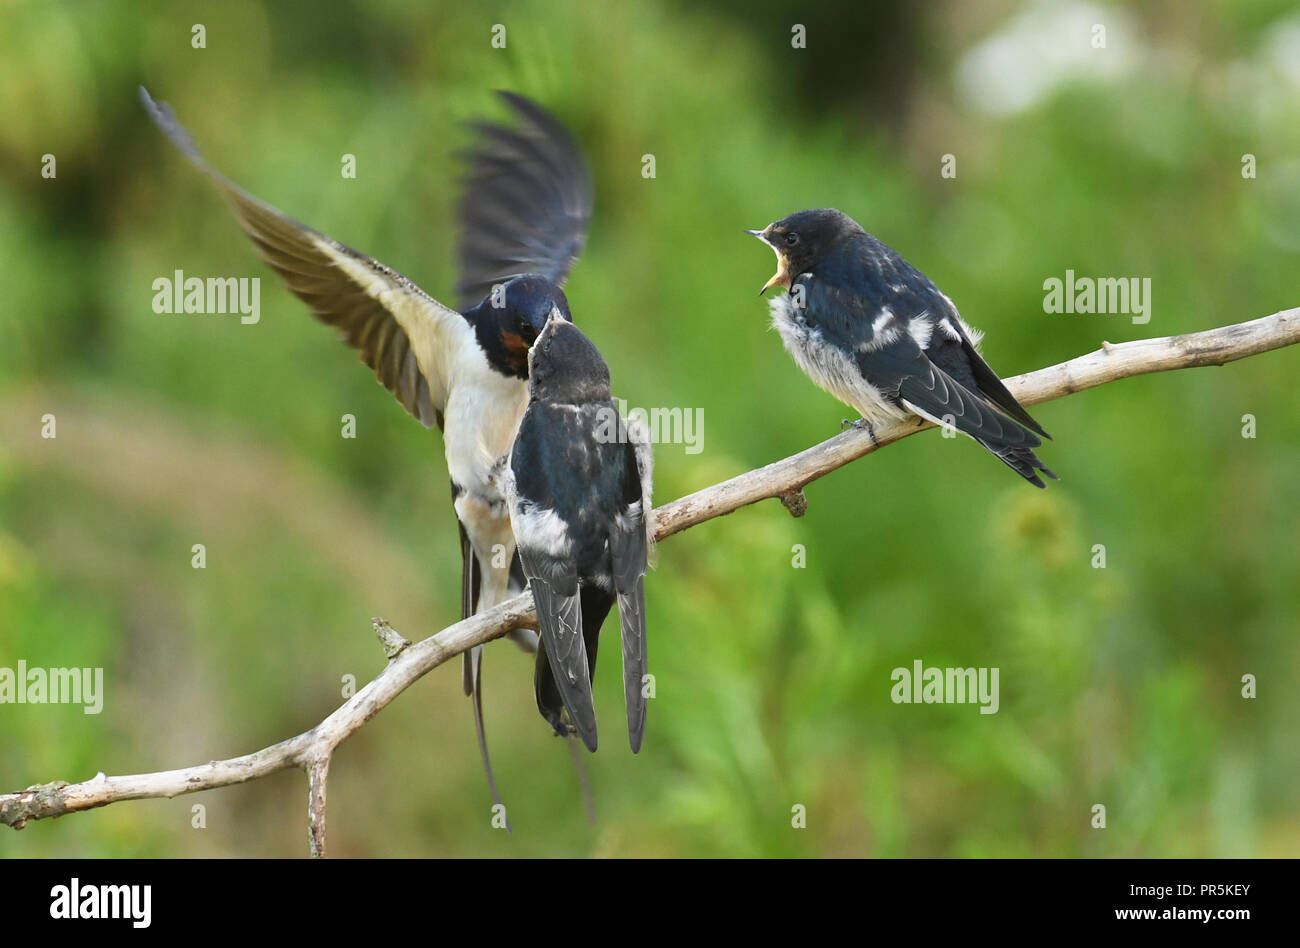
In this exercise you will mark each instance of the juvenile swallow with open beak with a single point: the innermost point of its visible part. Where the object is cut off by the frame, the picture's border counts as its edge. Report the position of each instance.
(524, 215)
(873, 331)
(579, 485)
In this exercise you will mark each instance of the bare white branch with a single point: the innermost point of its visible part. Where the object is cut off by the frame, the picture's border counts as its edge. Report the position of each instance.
(784, 479)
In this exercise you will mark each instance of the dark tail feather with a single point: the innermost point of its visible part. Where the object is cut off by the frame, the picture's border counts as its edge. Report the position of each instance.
(1022, 460)
(472, 661)
(477, 671)
(596, 604)
(549, 702)
(995, 391)
(469, 586)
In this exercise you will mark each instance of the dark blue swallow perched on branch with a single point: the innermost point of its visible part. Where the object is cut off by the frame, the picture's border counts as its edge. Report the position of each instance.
(579, 484)
(524, 215)
(872, 330)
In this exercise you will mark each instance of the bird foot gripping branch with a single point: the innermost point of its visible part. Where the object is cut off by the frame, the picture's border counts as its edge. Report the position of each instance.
(860, 425)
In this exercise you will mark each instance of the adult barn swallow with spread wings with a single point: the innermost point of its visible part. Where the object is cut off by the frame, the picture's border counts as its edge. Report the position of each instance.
(523, 221)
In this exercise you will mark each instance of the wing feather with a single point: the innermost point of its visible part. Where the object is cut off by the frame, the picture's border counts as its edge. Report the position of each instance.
(902, 370)
(629, 546)
(559, 617)
(526, 204)
(408, 338)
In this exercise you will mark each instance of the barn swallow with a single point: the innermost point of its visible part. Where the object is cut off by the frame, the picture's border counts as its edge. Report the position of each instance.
(579, 484)
(524, 216)
(872, 330)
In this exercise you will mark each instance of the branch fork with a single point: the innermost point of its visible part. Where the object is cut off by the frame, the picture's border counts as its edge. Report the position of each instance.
(785, 479)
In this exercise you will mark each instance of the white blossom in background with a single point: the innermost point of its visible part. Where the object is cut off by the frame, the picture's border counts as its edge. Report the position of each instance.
(1040, 49)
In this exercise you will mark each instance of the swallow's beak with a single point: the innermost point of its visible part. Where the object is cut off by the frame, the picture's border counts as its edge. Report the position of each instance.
(782, 276)
(548, 328)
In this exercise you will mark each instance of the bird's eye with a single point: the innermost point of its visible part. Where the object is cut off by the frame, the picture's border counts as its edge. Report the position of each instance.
(791, 239)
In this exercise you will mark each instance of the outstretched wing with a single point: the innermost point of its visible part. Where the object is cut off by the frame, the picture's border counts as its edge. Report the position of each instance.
(408, 338)
(526, 202)
(629, 547)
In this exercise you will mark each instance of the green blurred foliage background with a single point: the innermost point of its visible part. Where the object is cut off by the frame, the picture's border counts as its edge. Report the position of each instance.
(1119, 686)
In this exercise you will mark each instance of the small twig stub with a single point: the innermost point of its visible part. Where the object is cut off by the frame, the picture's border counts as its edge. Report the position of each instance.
(394, 642)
